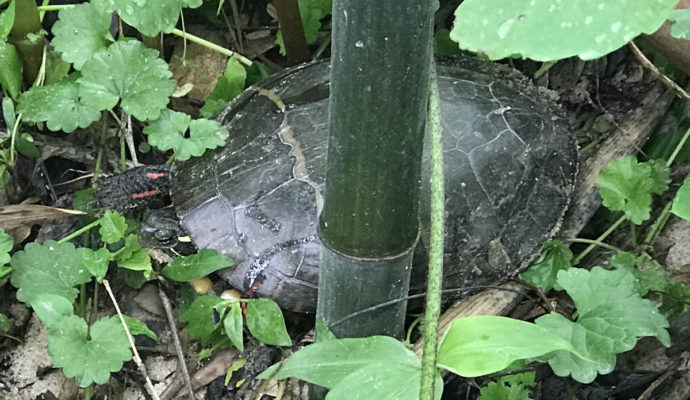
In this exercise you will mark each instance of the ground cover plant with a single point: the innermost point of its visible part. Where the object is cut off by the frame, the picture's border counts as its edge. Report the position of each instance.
(88, 73)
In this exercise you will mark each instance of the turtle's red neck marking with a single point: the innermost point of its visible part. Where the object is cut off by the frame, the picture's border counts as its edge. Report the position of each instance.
(147, 193)
(155, 175)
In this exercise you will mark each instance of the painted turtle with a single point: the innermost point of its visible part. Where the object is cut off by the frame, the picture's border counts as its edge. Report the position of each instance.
(509, 164)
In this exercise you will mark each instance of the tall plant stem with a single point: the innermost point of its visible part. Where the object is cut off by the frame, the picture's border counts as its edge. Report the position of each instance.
(433, 299)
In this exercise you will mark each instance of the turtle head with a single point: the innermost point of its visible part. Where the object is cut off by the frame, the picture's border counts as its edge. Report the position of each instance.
(160, 229)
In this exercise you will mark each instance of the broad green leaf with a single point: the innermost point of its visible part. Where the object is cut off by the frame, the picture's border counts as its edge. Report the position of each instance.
(51, 308)
(79, 32)
(26, 146)
(611, 317)
(6, 21)
(96, 262)
(554, 257)
(681, 27)
(139, 260)
(137, 327)
(228, 86)
(322, 331)
(650, 275)
(148, 17)
(512, 387)
(383, 381)
(10, 69)
(6, 244)
(627, 185)
(50, 268)
(195, 266)
(130, 72)
(88, 355)
(546, 30)
(485, 344)
(59, 105)
(168, 133)
(265, 322)
(199, 316)
(5, 323)
(233, 326)
(112, 227)
(327, 363)
(681, 203)
(312, 12)
(676, 300)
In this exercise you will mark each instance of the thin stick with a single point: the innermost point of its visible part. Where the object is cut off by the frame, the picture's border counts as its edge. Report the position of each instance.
(176, 341)
(137, 360)
(658, 74)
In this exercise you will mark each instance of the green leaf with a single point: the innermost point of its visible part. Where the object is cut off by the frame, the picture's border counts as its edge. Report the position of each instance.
(26, 146)
(327, 363)
(148, 17)
(8, 113)
(311, 11)
(627, 185)
(681, 27)
(511, 387)
(527, 28)
(444, 45)
(59, 105)
(83, 200)
(383, 381)
(139, 260)
(554, 257)
(96, 262)
(112, 227)
(88, 355)
(168, 133)
(51, 308)
(6, 21)
(681, 203)
(79, 32)
(50, 268)
(200, 323)
(322, 331)
(56, 68)
(265, 322)
(257, 72)
(6, 244)
(195, 266)
(484, 344)
(137, 327)
(612, 315)
(233, 326)
(130, 72)
(10, 69)
(228, 86)
(5, 323)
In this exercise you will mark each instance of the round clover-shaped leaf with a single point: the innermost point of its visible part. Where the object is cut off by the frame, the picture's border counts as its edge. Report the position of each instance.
(59, 105)
(148, 17)
(50, 268)
(546, 30)
(6, 244)
(79, 32)
(127, 71)
(88, 360)
(168, 133)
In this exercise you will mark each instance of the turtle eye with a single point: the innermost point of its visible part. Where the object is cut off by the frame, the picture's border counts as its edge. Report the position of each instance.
(164, 234)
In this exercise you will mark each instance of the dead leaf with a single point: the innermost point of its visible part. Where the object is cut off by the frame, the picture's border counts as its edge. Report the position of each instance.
(25, 215)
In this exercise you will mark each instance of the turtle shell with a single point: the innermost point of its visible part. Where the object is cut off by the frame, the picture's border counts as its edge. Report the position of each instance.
(509, 170)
